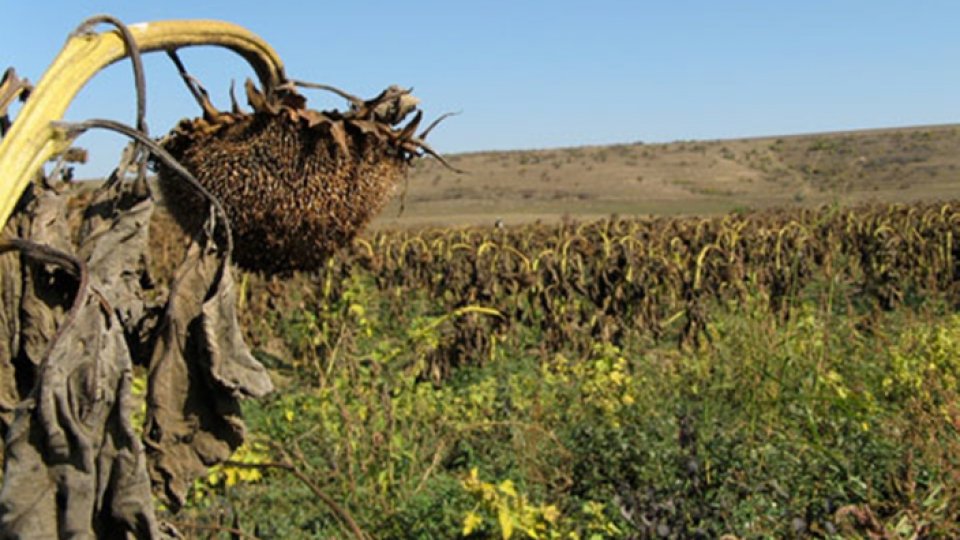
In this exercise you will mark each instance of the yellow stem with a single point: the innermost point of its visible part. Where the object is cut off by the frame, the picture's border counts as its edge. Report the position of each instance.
(33, 140)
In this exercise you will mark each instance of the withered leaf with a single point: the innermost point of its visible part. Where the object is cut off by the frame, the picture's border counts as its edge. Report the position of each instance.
(45, 297)
(199, 371)
(314, 118)
(339, 135)
(365, 126)
(74, 466)
(411, 127)
(118, 216)
(11, 282)
(257, 100)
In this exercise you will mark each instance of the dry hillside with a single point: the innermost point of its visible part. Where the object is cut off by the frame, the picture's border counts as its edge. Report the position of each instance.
(684, 177)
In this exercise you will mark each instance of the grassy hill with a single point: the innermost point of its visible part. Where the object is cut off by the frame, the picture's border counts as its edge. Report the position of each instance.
(684, 177)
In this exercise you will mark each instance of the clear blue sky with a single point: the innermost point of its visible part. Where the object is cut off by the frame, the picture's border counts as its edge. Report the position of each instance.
(547, 74)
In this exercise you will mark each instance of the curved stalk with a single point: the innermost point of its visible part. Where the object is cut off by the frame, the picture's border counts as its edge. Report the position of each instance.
(33, 139)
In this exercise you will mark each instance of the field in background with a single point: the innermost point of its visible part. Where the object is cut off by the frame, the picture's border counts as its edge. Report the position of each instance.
(687, 177)
(756, 373)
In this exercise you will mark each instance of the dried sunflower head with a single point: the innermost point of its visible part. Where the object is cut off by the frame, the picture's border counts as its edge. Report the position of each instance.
(295, 183)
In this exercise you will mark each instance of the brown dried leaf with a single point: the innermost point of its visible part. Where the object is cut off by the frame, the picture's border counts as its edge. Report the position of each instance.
(314, 118)
(74, 466)
(45, 297)
(411, 128)
(339, 135)
(11, 88)
(11, 282)
(199, 371)
(118, 217)
(393, 105)
(257, 100)
(366, 127)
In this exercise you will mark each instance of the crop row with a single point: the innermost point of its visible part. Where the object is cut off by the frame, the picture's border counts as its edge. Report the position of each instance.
(659, 279)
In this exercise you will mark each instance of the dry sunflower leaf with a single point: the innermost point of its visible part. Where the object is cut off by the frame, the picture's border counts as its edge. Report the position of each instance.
(74, 465)
(199, 371)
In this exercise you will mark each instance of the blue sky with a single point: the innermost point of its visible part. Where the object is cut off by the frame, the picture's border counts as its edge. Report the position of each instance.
(548, 74)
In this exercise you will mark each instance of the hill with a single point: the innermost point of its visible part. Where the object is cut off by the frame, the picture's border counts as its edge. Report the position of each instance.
(683, 177)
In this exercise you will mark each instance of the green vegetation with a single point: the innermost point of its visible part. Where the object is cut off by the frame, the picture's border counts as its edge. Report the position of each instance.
(757, 375)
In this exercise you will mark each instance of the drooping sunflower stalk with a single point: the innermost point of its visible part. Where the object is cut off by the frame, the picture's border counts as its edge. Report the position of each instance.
(35, 138)
(77, 309)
